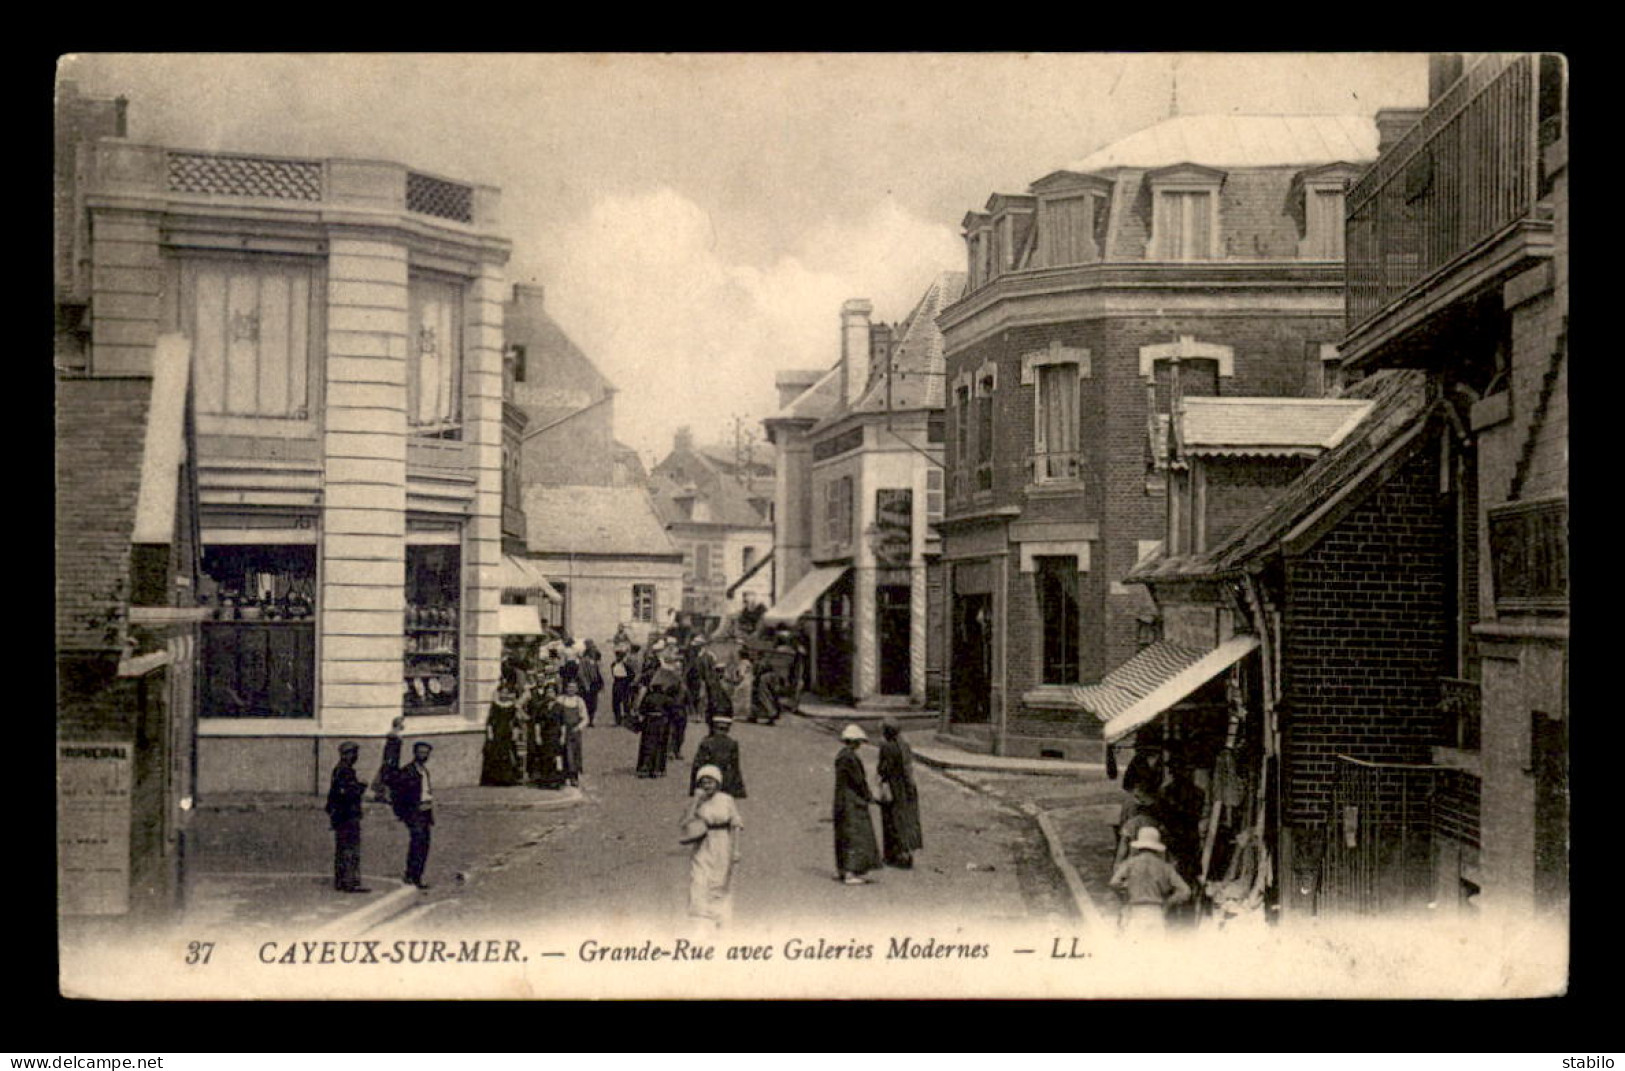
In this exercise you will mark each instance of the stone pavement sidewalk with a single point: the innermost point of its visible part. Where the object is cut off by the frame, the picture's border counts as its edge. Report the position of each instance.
(260, 861)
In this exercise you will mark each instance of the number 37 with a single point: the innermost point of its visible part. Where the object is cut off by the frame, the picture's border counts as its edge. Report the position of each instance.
(199, 951)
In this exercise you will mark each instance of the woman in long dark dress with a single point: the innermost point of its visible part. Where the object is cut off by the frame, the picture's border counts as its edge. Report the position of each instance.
(900, 799)
(546, 738)
(501, 766)
(661, 702)
(855, 850)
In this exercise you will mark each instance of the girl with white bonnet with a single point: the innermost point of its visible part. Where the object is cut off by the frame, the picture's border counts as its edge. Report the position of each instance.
(711, 824)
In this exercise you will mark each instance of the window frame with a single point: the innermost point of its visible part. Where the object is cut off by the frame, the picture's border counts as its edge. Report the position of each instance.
(1048, 568)
(179, 314)
(644, 593)
(453, 428)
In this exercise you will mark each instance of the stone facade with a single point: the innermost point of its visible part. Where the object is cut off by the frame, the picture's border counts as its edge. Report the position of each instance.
(345, 319)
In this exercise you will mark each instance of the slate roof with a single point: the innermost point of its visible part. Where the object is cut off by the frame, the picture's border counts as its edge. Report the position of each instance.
(729, 500)
(918, 368)
(1399, 404)
(726, 457)
(1238, 141)
(582, 519)
(817, 401)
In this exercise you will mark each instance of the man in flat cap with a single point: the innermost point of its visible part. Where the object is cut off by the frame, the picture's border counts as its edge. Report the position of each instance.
(344, 798)
(413, 796)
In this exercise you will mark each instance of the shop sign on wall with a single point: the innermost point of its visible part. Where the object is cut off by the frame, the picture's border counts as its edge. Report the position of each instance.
(894, 526)
(93, 826)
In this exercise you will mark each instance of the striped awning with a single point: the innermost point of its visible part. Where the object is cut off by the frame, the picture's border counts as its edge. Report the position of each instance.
(519, 577)
(1155, 679)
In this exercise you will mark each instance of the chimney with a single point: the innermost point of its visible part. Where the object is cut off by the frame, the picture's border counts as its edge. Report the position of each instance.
(528, 294)
(854, 348)
(1393, 124)
(683, 439)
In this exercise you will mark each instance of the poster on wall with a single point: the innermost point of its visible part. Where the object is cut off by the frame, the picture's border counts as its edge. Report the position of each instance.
(93, 827)
(894, 526)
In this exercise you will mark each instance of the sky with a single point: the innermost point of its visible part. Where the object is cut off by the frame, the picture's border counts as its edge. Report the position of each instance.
(697, 220)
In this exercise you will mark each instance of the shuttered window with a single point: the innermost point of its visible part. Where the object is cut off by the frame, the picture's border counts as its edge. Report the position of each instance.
(1183, 224)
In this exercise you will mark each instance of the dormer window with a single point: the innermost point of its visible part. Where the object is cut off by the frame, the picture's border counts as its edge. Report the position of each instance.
(1072, 213)
(978, 252)
(1184, 213)
(1318, 204)
(1012, 222)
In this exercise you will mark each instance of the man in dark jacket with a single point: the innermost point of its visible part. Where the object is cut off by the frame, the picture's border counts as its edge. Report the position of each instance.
(344, 797)
(722, 751)
(413, 796)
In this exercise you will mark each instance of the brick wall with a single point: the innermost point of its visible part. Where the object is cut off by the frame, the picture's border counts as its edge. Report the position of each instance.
(1240, 487)
(1365, 636)
(100, 434)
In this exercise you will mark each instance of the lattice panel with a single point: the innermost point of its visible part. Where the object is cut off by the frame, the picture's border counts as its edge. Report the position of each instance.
(246, 176)
(437, 197)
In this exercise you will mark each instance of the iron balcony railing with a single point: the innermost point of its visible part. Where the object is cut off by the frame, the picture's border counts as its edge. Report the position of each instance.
(1469, 169)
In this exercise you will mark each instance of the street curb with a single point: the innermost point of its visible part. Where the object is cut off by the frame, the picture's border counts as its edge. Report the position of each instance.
(1080, 895)
(566, 797)
(1081, 901)
(367, 916)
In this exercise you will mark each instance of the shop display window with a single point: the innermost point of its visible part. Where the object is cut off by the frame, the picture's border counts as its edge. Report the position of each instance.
(433, 629)
(259, 647)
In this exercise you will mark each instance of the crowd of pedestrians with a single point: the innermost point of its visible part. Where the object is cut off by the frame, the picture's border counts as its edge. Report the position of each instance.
(549, 695)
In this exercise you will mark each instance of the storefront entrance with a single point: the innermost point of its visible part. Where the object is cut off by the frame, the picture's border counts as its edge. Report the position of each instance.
(892, 632)
(971, 664)
(832, 640)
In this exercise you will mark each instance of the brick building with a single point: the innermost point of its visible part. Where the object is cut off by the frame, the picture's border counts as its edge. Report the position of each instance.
(344, 319)
(1333, 605)
(1208, 243)
(591, 533)
(1458, 266)
(717, 504)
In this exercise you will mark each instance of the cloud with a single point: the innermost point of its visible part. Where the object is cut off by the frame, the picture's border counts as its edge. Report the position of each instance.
(691, 336)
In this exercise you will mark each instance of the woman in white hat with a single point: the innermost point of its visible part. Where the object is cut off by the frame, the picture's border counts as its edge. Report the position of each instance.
(1149, 883)
(856, 852)
(712, 825)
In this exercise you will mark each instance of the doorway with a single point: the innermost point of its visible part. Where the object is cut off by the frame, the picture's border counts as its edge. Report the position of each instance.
(971, 669)
(892, 635)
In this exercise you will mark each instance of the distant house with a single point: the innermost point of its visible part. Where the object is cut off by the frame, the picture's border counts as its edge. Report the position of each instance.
(590, 531)
(1208, 244)
(607, 552)
(717, 505)
(861, 489)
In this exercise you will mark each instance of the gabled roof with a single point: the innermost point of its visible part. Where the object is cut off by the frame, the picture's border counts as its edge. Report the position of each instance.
(579, 519)
(727, 458)
(548, 350)
(817, 401)
(1235, 141)
(918, 366)
(728, 498)
(1400, 406)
